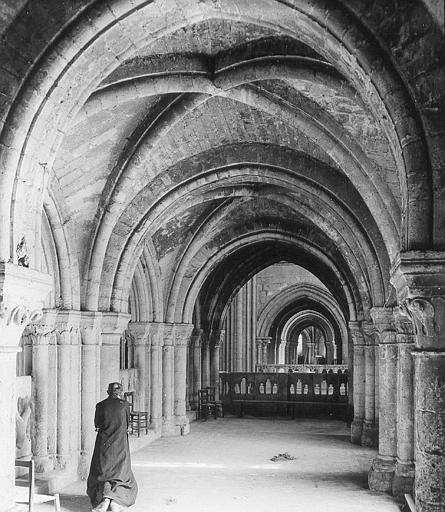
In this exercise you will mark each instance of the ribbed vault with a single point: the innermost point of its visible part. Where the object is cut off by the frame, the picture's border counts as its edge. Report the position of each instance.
(207, 132)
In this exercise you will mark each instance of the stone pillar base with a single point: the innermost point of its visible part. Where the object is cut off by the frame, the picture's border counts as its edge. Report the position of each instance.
(403, 481)
(381, 474)
(184, 425)
(43, 464)
(370, 435)
(156, 424)
(84, 464)
(356, 431)
(170, 429)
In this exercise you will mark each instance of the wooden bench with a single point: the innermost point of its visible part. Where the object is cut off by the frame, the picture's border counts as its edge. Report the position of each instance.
(286, 405)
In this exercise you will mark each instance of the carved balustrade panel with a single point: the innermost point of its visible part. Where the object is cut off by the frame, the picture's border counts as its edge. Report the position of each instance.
(299, 387)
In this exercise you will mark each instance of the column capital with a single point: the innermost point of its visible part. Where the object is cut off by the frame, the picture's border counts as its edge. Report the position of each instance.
(196, 338)
(41, 332)
(90, 324)
(183, 333)
(369, 331)
(68, 319)
(168, 334)
(383, 319)
(23, 293)
(67, 323)
(205, 338)
(140, 332)
(419, 279)
(156, 330)
(356, 334)
(114, 323)
(404, 324)
(263, 340)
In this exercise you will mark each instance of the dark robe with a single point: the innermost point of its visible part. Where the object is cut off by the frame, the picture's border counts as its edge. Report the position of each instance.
(110, 472)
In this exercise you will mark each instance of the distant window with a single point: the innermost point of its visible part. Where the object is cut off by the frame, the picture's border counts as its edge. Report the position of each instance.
(127, 351)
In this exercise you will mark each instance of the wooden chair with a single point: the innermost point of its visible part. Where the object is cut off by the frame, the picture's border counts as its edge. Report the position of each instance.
(218, 403)
(206, 408)
(138, 419)
(32, 497)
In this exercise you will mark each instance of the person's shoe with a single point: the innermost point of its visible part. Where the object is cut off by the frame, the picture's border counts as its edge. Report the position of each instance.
(103, 506)
(115, 507)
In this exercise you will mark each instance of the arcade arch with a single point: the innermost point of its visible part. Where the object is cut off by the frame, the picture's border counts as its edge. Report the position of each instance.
(156, 161)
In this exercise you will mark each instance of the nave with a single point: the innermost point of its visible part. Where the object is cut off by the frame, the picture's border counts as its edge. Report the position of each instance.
(225, 466)
(203, 193)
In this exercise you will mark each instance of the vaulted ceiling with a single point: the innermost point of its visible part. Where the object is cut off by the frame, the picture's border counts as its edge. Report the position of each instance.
(200, 142)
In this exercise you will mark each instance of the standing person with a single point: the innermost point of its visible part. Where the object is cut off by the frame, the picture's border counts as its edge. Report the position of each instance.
(111, 484)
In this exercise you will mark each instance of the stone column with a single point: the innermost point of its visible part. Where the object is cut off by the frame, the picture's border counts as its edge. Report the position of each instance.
(182, 333)
(68, 422)
(75, 383)
(40, 335)
(259, 351)
(168, 426)
(262, 344)
(370, 433)
(195, 344)
(266, 343)
(141, 333)
(90, 328)
(113, 326)
(358, 382)
(22, 295)
(329, 352)
(419, 278)
(216, 341)
(205, 344)
(403, 481)
(382, 470)
(311, 352)
(239, 336)
(157, 342)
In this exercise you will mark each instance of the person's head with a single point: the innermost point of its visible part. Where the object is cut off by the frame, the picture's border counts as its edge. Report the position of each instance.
(114, 389)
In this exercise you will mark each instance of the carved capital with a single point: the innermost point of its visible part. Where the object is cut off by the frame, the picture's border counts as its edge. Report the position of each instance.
(263, 341)
(114, 323)
(196, 338)
(356, 333)
(90, 326)
(383, 319)
(183, 333)
(18, 316)
(428, 318)
(168, 335)
(419, 278)
(369, 333)
(43, 331)
(140, 332)
(205, 340)
(68, 327)
(403, 320)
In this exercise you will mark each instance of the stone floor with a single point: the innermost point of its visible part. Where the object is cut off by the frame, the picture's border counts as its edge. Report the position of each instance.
(225, 466)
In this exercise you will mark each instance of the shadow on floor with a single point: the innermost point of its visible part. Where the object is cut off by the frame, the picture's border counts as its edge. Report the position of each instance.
(350, 478)
(75, 503)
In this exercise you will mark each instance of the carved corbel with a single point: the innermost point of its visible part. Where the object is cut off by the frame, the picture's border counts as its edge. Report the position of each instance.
(428, 317)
